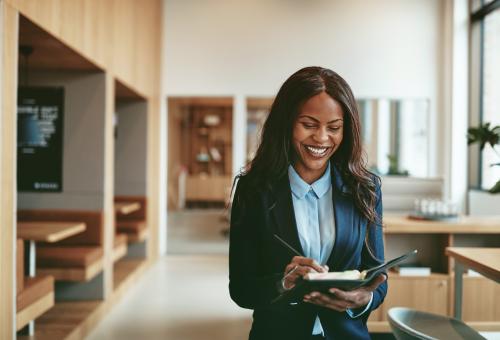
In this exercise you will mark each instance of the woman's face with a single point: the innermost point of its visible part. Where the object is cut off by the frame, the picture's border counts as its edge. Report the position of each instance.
(317, 134)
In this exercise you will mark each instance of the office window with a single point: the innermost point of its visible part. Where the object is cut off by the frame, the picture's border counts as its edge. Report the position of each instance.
(486, 17)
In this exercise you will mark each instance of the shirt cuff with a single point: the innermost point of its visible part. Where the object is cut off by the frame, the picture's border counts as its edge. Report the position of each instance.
(353, 314)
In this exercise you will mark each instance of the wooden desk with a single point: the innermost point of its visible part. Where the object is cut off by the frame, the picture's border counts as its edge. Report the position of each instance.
(395, 224)
(485, 261)
(126, 208)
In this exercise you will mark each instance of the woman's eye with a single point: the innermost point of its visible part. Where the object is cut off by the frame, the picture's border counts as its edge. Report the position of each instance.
(335, 128)
(308, 125)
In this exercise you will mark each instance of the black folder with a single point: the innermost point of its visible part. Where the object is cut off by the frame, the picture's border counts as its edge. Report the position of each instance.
(303, 286)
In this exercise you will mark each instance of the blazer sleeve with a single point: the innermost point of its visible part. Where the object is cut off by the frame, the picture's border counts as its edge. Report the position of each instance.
(375, 254)
(249, 287)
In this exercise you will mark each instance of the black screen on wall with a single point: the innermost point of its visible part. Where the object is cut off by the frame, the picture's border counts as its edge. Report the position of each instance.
(40, 139)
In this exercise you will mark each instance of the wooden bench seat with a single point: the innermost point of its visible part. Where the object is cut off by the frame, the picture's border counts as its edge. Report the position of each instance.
(78, 258)
(120, 246)
(35, 299)
(70, 263)
(136, 230)
(133, 224)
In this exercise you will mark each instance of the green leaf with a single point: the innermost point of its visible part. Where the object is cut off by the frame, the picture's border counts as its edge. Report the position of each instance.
(495, 189)
(484, 135)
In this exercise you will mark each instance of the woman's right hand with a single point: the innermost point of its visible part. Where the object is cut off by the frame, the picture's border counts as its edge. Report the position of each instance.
(299, 267)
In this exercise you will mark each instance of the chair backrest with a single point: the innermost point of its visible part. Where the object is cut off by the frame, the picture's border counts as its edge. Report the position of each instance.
(408, 324)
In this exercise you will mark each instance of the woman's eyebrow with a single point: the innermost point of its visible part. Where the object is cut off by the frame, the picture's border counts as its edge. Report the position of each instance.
(312, 118)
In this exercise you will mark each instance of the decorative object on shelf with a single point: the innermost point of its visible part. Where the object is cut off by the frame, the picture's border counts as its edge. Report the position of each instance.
(433, 209)
(211, 120)
(203, 155)
(484, 135)
(413, 269)
(216, 156)
(203, 131)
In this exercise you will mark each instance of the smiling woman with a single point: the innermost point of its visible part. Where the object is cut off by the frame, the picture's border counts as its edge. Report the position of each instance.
(317, 134)
(309, 187)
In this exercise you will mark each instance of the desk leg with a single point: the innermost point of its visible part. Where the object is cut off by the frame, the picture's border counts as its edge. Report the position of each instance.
(459, 271)
(29, 269)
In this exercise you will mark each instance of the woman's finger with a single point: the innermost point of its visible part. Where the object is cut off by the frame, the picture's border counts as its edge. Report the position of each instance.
(326, 301)
(308, 262)
(377, 282)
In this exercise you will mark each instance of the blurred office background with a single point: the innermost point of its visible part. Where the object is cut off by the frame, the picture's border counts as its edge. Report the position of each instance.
(422, 71)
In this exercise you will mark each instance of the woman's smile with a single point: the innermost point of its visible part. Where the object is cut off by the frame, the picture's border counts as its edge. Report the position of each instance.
(317, 151)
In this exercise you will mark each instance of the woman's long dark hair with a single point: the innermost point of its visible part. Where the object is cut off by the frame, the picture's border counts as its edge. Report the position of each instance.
(275, 152)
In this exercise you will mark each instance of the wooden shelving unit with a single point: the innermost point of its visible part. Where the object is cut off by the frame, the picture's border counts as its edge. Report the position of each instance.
(434, 293)
(209, 138)
(203, 148)
(257, 111)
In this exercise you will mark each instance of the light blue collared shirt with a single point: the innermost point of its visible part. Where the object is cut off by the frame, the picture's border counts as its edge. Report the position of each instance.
(314, 214)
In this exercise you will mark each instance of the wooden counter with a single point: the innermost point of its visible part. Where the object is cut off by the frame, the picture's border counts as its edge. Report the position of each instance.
(395, 224)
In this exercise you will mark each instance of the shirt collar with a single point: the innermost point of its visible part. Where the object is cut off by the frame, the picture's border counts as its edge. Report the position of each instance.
(300, 188)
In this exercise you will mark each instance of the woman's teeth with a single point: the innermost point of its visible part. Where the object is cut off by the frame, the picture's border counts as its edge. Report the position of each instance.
(317, 151)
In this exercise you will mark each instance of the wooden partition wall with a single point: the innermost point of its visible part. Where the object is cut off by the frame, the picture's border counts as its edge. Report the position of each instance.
(121, 38)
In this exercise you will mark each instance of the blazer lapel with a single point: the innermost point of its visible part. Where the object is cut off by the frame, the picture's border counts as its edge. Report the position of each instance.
(343, 210)
(284, 217)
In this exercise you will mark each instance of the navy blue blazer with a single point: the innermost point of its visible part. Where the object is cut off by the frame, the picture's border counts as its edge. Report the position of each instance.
(257, 261)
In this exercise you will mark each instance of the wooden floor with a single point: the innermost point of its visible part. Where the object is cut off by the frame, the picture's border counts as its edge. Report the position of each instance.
(74, 320)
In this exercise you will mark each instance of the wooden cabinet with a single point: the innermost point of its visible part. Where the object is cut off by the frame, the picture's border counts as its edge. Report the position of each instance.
(208, 188)
(481, 299)
(434, 293)
(427, 293)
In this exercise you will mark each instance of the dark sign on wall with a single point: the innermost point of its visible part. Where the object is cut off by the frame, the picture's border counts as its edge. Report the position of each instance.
(40, 139)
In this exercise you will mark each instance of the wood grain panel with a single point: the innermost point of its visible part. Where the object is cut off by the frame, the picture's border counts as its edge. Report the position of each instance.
(154, 189)
(8, 94)
(75, 274)
(109, 180)
(481, 299)
(398, 224)
(49, 53)
(427, 293)
(34, 289)
(34, 310)
(121, 36)
(19, 266)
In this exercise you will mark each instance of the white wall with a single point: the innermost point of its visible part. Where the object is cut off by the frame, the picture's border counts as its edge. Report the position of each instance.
(130, 149)
(383, 48)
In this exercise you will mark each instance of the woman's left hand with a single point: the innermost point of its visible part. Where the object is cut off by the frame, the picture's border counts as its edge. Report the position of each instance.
(340, 300)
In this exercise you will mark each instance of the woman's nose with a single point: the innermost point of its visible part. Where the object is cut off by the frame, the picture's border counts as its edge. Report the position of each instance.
(321, 135)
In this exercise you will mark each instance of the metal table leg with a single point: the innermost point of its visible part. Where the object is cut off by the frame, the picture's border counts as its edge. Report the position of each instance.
(459, 271)
(29, 270)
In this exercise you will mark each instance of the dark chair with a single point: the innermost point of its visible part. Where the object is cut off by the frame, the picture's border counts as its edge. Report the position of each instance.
(409, 324)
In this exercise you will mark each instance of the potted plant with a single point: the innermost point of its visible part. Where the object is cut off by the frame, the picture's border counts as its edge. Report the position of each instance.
(485, 135)
(485, 202)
